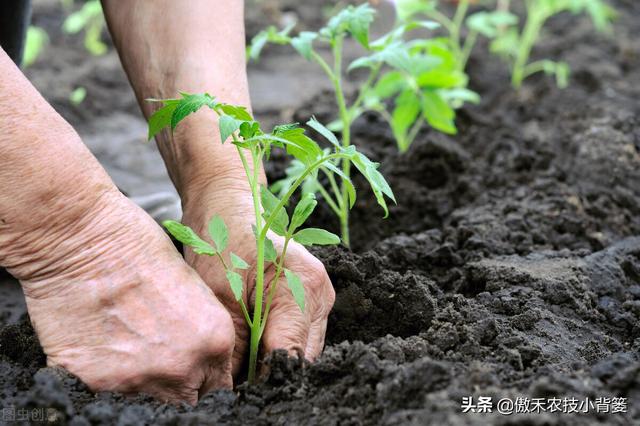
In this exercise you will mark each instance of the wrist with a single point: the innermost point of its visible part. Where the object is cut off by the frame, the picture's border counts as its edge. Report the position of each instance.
(198, 161)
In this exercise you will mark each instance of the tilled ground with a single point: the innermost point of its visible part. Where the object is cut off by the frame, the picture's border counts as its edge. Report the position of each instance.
(509, 269)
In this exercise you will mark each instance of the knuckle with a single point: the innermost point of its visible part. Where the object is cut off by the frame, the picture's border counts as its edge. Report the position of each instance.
(316, 275)
(219, 338)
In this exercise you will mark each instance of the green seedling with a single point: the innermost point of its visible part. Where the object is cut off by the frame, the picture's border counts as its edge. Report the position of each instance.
(515, 45)
(271, 217)
(78, 95)
(89, 19)
(488, 23)
(418, 78)
(35, 43)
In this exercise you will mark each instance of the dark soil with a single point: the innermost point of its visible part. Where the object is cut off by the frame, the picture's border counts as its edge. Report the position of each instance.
(509, 268)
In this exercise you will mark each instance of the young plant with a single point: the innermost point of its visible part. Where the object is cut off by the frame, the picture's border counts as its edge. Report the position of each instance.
(515, 45)
(90, 19)
(35, 43)
(417, 76)
(487, 23)
(253, 146)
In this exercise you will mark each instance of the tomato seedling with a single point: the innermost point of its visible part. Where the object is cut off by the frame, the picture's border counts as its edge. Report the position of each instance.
(515, 45)
(418, 77)
(487, 23)
(253, 146)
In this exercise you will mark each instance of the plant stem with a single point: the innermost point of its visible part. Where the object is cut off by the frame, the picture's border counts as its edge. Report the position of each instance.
(346, 135)
(335, 75)
(535, 20)
(274, 284)
(259, 285)
(458, 19)
(293, 188)
(469, 44)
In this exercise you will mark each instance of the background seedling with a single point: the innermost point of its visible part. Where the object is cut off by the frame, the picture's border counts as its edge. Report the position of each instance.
(90, 20)
(515, 45)
(418, 78)
(271, 217)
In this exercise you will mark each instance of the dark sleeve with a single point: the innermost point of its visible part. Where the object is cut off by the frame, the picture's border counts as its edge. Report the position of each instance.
(14, 20)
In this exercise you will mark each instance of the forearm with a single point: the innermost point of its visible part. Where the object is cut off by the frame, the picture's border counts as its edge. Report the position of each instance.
(167, 47)
(46, 172)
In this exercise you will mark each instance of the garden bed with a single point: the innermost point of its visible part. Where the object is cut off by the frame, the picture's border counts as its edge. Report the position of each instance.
(509, 268)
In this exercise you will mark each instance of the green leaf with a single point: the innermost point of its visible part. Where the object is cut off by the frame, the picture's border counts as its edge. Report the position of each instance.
(378, 183)
(406, 9)
(316, 236)
(404, 115)
(36, 40)
(304, 44)
(249, 129)
(458, 96)
(354, 20)
(228, 126)
(161, 118)
(489, 23)
(437, 112)
(237, 112)
(270, 35)
(389, 84)
(190, 104)
(441, 79)
(359, 23)
(300, 145)
(320, 128)
(78, 95)
(297, 289)
(270, 253)
(188, 237)
(303, 210)
(237, 286)
(219, 233)
(238, 262)
(269, 204)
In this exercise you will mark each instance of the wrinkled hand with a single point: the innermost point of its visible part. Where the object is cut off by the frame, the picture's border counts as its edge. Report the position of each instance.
(114, 303)
(287, 326)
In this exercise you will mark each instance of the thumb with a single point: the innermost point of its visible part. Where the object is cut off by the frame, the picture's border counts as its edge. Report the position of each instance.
(287, 326)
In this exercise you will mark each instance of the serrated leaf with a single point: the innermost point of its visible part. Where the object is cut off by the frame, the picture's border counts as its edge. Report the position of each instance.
(219, 233)
(389, 84)
(303, 210)
(354, 20)
(297, 288)
(269, 204)
(249, 129)
(228, 126)
(236, 283)
(406, 9)
(161, 119)
(304, 44)
(300, 145)
(237, 112)
(378, 183)
(437, 112)
(320, 128)
(238, 262)
(316, 236)
(360, 22)
(188, 237)
(190, 104)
